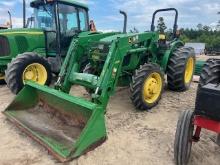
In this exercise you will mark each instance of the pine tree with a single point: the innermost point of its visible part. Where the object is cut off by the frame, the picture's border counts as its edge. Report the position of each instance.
(206, 28)
(161, 27)
(199, 26)
(218, 25)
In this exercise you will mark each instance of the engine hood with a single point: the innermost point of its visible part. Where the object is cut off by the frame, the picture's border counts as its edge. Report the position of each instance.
(17, 41)
(21, 31)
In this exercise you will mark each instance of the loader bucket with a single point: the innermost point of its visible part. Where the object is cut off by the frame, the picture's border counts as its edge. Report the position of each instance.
(66, 125)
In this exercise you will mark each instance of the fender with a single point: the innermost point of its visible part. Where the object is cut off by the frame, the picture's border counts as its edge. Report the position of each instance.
(168, 53)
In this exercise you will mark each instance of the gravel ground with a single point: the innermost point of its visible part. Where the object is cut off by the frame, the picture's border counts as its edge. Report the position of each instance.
(134, 138)
(205, 57)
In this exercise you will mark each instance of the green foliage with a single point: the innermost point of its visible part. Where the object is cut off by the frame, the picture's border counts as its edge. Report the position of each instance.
(161, 27)
(218, 25)
(199, 26)
(202, 34)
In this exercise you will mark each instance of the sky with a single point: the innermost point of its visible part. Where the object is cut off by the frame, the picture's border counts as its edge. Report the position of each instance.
(107, 18)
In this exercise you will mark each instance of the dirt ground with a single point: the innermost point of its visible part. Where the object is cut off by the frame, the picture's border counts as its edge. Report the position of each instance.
(204, 57)
(134, 138)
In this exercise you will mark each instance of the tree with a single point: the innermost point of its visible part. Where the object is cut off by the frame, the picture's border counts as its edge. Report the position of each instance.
(199, 26)
(206, 28)
(206, 35)
(161, 27)
(134, 30)
(218, 25)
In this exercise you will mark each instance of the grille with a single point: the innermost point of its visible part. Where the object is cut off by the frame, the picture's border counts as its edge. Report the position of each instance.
(4, 46)
(22, 44)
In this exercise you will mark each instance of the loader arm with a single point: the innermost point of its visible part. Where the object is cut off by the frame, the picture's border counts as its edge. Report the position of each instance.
(74, 57)
(106, 82)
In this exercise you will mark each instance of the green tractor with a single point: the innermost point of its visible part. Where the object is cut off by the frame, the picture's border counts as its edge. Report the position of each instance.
(37, 52)
(69, 126)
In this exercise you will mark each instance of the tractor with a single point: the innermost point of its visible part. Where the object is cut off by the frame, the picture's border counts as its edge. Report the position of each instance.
(205, 115)
(69, 126)
(35, 53)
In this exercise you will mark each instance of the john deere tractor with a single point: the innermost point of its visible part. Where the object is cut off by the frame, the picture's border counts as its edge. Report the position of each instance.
(69, 126)
(36, 52)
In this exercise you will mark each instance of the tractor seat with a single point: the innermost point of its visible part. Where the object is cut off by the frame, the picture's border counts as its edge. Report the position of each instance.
(162, 41)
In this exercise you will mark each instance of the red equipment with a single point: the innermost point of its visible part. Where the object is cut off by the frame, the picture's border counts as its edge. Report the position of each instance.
(205, 116)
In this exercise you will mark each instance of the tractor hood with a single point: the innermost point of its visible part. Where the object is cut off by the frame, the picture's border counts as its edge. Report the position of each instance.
(18, 41)
(132, 37)
(21, 31)
(114, 37)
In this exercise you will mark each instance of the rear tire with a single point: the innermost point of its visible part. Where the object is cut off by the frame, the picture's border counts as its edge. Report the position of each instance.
(183, 138)
(210, 72)
(181, 68)
(16, 72)
(147, 86)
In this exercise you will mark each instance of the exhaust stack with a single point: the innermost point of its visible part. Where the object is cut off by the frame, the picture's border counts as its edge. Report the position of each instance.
(24, 14)
(10, 20)
(125, 21)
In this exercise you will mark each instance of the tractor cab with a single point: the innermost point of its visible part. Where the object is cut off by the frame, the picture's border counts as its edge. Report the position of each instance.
(60, 20)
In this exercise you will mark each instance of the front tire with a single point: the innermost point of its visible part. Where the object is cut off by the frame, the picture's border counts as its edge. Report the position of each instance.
(28, 66)
(147, 86)
(183, 138)
(180, 69)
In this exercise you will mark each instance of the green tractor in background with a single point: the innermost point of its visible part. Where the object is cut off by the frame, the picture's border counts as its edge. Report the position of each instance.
(69, 126)
(37, 52)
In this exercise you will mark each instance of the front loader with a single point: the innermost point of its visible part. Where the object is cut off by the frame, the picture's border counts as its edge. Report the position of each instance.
(69, 126)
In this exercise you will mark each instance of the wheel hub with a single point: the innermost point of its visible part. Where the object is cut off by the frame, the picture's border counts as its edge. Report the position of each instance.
(29, 75)
(152, 88)
(35, 72)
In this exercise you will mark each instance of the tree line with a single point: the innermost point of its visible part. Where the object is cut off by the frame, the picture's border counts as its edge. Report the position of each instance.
(202, 34)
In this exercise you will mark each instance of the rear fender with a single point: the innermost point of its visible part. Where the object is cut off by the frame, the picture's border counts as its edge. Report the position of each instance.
(168, 53)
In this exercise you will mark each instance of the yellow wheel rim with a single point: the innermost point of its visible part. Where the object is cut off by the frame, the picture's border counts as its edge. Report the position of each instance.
(189, 70)
(35, 72)
(152, 88)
